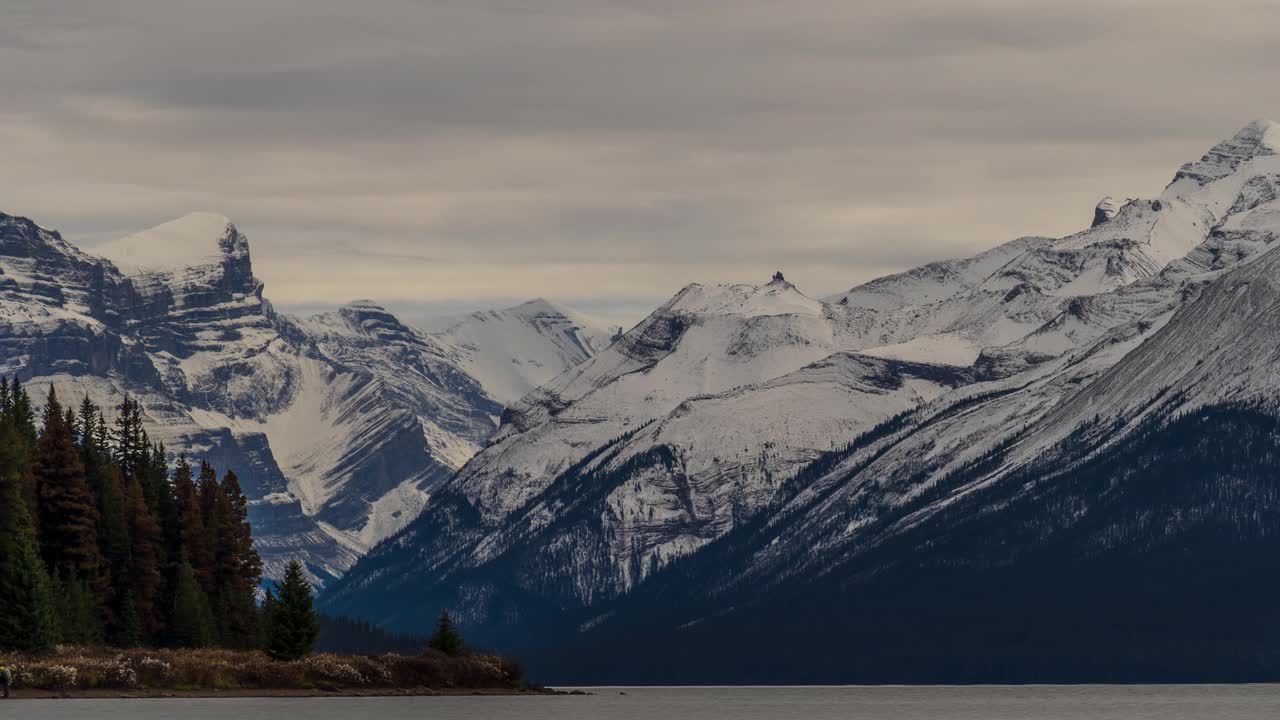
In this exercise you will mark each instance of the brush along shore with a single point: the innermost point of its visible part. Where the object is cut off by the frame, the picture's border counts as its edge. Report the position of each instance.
(74, 671)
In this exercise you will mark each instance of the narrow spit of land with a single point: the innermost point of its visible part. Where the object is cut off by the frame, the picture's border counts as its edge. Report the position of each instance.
(91, 672)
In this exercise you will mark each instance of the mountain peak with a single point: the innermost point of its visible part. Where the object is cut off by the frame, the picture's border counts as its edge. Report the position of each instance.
(198, 238)
(779, 297)
(366, 304)
(1258, 138)
(541, 306)
(1105, 210)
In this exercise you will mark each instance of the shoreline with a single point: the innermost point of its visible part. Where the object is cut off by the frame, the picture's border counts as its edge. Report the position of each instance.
(333, 692)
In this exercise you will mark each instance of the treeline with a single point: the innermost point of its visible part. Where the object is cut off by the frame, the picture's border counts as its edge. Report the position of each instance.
(102, 543)
(346, 635)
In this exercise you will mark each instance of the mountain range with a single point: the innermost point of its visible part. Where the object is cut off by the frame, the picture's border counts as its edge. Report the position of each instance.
(1052, 460)
(339, 425)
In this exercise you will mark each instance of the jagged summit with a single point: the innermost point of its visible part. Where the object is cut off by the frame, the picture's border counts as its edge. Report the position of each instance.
(195, 239)
(1257, 139)
(779, 297)
(366, 304)
(1106, 209)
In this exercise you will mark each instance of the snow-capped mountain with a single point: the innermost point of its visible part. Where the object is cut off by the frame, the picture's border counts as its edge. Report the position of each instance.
(339, 425)
(742, 439)
(512, 351)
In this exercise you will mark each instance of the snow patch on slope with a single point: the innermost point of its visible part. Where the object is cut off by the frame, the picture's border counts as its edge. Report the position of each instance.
(944, 349)
(514, 350)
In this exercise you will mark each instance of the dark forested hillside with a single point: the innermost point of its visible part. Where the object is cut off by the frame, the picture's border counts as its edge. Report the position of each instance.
(100, 542)
(1154, 558)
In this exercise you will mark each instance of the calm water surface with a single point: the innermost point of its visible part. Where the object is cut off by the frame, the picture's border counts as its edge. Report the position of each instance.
(1216, 702)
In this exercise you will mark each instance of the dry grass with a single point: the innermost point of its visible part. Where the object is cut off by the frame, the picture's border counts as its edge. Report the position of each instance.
(94, 668)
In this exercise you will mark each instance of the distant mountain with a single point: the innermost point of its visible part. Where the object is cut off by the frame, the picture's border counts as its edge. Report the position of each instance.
(512, 351)
(931, 456)
(339, 425)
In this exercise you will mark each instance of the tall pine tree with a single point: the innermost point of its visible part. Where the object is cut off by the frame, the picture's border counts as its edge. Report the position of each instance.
(67, 511)
(237, 568)
(144, 578)
(192, 619)
(27, 618)
(193, 536)
(294, 623)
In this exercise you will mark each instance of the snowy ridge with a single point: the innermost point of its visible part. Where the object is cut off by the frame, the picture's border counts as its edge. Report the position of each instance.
(339, 425)
(172, 246)
(706, 416)
(513, 351)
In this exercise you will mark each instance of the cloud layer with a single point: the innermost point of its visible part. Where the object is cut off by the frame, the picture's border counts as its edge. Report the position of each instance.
(606, 152)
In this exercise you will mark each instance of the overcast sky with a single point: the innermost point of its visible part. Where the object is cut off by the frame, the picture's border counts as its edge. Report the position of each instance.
(456, 154)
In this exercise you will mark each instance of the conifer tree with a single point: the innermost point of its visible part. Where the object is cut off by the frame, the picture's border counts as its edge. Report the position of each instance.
(130, 438)
(24, 417)
(446, 639)
(76, 608)
(192, 619)
(158, 490)
(143, 576)
(266, 613)
(104, 479)
(17, 410)
(193, 536)
(68, 514)
(237, 566)
(27, 619)
(90, 552)
(294, 624)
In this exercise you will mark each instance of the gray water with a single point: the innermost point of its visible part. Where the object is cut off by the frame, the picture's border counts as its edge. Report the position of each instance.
(1217, 702)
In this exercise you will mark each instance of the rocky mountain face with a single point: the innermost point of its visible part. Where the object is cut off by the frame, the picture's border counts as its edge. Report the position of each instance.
(747, 454)
(340, 425)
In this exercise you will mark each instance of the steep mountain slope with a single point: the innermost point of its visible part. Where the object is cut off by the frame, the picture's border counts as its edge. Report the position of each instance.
(752, 435)
(339, 425)
(512, 351)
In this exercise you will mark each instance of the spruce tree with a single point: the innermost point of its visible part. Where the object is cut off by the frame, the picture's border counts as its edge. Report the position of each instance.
(237, 566)
(27, 619)
(76, 608)
(28, 622)
(130, 439)
(17, 412)
(446, 639)
(266, 613)
(192, 618)
(143, 576)
(193, 536)
(294, 624)
(67, 511)
(22, 412)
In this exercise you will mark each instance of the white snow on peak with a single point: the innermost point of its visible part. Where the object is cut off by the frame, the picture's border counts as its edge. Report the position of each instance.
(514, 350)
(189, 241)
(1257, 139)
(776, 298)
(1269, 131)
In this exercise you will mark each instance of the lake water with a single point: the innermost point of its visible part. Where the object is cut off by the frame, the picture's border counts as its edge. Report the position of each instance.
(1217, 702)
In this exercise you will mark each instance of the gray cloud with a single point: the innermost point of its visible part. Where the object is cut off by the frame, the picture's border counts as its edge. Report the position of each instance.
(606, 152)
